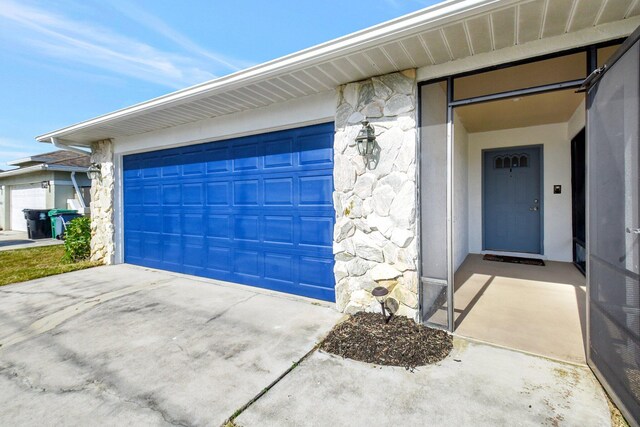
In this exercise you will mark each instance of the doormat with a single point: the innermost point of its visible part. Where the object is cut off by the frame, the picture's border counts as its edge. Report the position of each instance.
(514, 259)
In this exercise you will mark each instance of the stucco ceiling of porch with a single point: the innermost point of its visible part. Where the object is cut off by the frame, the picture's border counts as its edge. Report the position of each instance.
(443, 33)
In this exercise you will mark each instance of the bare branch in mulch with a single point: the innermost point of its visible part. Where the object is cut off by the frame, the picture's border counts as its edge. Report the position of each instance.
(401, 342)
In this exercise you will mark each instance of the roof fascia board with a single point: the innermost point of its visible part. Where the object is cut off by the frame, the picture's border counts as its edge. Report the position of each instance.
(438, 15)
(40, 168)
(27, 160)
(22, 171)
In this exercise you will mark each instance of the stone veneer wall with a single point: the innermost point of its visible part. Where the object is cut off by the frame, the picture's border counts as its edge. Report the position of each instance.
(102, 229)
(375, 239)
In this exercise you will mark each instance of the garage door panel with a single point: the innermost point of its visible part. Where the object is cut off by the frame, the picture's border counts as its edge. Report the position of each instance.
(219, 226)
(315, 231)
(193, 224)
(278, 191)
(193, 253)
(279, 154)
(133, 241)
(151, 222)
(246, 263)
(219, 193)
(278, 266)
(170, 166)
(171, 195)
(278, 229)
(151, 194)
(192, 162)
(245, 157)
(316, 150)
(172, 250)
(152, 247)
(316, 190)
(218, 257)
(193, 194)
(246, 192)
(246, 227)
(217, 159)
(171, 224)
(150, 167)
(259, 212)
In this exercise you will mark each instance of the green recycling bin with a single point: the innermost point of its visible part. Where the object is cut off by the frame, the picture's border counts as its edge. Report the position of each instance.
(56, 216)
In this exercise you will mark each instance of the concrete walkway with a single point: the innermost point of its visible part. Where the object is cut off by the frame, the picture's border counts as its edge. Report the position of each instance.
(477, 385)
(10, 240)
(124, 345)
(537, 309)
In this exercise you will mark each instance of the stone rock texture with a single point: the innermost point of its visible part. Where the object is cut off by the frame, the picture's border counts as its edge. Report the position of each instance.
(375, 234)
(102, 230)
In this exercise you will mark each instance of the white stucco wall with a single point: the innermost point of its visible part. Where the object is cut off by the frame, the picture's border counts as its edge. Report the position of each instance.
(557, 170)
(577, 121)
(461, 195)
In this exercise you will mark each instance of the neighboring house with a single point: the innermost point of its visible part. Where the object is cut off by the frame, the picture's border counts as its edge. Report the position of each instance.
(256, 177)
(43, 181)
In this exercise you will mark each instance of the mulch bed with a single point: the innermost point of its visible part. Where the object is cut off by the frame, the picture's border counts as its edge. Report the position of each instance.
(401, 342)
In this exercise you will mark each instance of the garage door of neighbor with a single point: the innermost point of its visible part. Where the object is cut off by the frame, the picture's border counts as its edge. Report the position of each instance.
(255, 210)
(25, 197)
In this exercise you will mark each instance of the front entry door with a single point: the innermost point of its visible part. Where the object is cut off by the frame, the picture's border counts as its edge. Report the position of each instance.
(512, 200)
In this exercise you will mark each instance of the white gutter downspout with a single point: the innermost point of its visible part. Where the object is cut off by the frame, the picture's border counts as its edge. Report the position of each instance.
(80, 196)
(62, 146)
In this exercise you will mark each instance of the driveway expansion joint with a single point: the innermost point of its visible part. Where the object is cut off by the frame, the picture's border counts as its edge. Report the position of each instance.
(264, 391)
(226, 310)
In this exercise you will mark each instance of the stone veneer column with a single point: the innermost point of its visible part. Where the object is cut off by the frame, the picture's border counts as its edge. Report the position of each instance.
(102, 229)
(375, 239)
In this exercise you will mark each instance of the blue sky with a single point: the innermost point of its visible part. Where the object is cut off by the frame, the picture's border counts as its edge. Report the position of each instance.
(64, 61)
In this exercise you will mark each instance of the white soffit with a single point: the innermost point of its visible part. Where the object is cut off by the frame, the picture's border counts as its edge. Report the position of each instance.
(433, 37)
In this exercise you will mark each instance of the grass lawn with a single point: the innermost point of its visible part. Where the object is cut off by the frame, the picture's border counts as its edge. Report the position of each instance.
(26, 264)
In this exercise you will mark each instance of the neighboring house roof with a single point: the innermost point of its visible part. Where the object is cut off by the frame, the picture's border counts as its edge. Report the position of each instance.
(447, 33)
(61, 160)
(59, 157)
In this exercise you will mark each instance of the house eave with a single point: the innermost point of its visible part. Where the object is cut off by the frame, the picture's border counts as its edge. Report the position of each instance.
(353, 57)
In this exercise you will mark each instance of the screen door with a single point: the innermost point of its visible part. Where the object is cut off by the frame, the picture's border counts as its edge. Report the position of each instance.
(614, 227)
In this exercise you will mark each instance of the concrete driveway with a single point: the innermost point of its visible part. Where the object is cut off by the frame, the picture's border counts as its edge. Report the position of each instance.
(10, 240)
(123, 345)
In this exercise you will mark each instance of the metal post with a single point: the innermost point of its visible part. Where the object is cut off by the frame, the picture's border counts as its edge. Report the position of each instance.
(592, 64)
(450, 206)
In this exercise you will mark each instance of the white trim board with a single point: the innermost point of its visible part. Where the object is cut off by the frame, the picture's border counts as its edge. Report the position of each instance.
(314, 109)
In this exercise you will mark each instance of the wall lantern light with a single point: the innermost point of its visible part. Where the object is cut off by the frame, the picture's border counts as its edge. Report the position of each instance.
(366, 139)
(44, 184)
(94, 171)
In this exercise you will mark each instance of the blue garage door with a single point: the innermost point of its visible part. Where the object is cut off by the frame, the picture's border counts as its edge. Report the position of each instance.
(256, 210)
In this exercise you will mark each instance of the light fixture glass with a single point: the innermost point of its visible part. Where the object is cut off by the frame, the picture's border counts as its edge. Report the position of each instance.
(366, 139)
(380, 293)
(94, 171)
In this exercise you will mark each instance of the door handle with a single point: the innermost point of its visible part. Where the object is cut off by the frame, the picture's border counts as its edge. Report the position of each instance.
(533, 209)
(633, 230)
